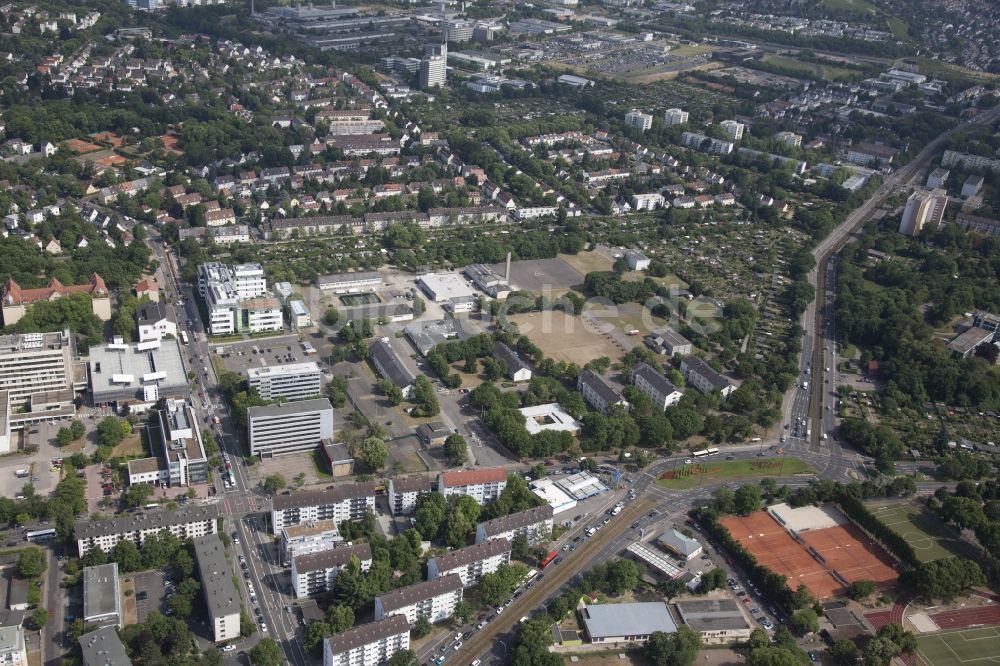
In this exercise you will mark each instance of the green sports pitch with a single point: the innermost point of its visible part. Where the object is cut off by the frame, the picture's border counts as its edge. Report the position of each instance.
(930, 538)
(980, 645)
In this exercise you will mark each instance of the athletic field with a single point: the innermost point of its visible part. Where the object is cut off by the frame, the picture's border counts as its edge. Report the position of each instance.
(966, 646)
(930, 538)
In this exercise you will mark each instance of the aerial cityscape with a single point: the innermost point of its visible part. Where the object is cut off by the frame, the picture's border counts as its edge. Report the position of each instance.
(496, 332)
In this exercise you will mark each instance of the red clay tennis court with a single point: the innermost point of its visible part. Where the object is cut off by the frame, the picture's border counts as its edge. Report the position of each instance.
(844, 549)
(775, 549)
(849, 552)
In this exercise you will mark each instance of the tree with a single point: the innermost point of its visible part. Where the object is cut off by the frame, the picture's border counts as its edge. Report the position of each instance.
(712, 580)
(374, 453)
(802, 597)
(273, 483)
(31, 563)
(747, 499)
(77, 429)
(844, 652)
(331, 316)
(520, 548)
(315, 633)
(758, 639)
(340, 618)
(880, 651)
(403, 658)
(724, 500)
(677, 649)
(805, 621)
(429, 514)
(422, 627)
(456, 449)
(64, 436)
(127, 555)
(110, 431)
(861, 589)
(247, 626)
(137, 494)
(464, 611)
(623, 575)
(39, 618)
(672, 588)
(267, 653)
(944, 579)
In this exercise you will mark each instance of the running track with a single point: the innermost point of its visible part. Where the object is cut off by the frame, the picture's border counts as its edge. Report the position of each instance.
(894, 615)
(968, 617)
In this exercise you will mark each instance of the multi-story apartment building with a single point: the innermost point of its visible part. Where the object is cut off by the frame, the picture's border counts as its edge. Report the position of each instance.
(674, 117)
(534, 523)
(391, 367)
(703, 377)
(153, 322)
(221, 597)
(36, 366)
(308, 537)
(289, 427)
(344, 501)
(484, 485)
(923, 208)
(371, 644)
(433, 71)
(597, 392)
(655, 385)
(951, 158)
(710, 145)
(639, 120)
(733, 129)
(433, 599)
(187, 523)
(471, 562)
(314, 573)
(293, 381)
(101, 596)
(232, 295)
(13, 651)
(404, 491)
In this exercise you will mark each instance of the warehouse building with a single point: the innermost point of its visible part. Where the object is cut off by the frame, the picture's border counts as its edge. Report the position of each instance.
(349, 283)
(626, 623)
(441, 287)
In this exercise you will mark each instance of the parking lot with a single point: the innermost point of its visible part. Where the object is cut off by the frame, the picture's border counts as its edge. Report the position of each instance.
(150, 593)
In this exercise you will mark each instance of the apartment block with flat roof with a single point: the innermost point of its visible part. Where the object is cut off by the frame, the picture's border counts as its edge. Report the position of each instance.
(343, 501)
(292, 381)
(471, 562)
(371, 644)
(289, 427)
(102, 596)
(433, 599)
(309, 537)
(314, 573)
(598, 393)
(221, 597)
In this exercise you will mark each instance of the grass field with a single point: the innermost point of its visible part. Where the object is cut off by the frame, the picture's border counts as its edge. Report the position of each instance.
(588, 262)
(565, 338)
(797, 67)
(978, 645)
(690, 476)
(929, 537)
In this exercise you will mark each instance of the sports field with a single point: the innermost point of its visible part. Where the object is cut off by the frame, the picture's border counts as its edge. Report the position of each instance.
(980, 645)
(929, 537)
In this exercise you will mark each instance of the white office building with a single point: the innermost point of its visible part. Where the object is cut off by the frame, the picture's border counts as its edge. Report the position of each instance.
(40, 368)
(433, 599)
(314, 573)
(298, 315)
(639, 120)
(289, 427)
(221, 597)
(370, 644)
(293, 381)
(236, 299)
(471, 562)
(433, 71)
(343, 501)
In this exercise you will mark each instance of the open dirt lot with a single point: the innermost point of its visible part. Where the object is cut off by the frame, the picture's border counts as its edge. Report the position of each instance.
(565, 338)
(541, 275)
(589, 262)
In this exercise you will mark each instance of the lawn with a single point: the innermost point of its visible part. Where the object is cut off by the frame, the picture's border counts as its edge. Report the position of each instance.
(588, 262)
(689, 476)
(849, 5)
(930, 538)
(960, 647)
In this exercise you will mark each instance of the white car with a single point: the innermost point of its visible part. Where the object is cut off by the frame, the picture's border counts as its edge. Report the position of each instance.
(229, 648)
(263, 627)
(458, 645)
(688, 461)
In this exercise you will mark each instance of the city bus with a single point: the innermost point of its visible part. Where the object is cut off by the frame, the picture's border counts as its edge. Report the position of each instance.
(706, 452)
(40, 535)
(547, 560)
(184, 337)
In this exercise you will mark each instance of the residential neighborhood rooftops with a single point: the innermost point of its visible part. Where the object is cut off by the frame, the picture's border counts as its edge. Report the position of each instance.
(411, 594)
(338, 493)
(89, 529)
(463, 556)
(504, 524)
(368, 633)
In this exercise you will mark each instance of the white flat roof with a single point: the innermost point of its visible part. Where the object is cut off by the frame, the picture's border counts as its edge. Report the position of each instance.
(286, 369)
(548, 417)
(446, 285)
(806, 518)
(553, 495)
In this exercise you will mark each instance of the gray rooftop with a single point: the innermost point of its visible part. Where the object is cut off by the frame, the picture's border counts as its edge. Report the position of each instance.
(640, 619)
(698, 365)
(510, 357)
(409, 484)
(332, 559)
(712, 615)
(368, 633)
(89, 529)
(101, 601)
(657, 380)
(293, 407)
(334, 495)
(346, 278)
(216, 576)
(151, 312)
(407, 596)
(468, 555)
(600, 386)
(103, 648)
(679, 543)
(383, 354)
(120, 372)
(517, 520)
(426, 335)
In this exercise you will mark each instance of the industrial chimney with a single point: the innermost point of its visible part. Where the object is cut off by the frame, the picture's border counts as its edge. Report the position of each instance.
(506, 274)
